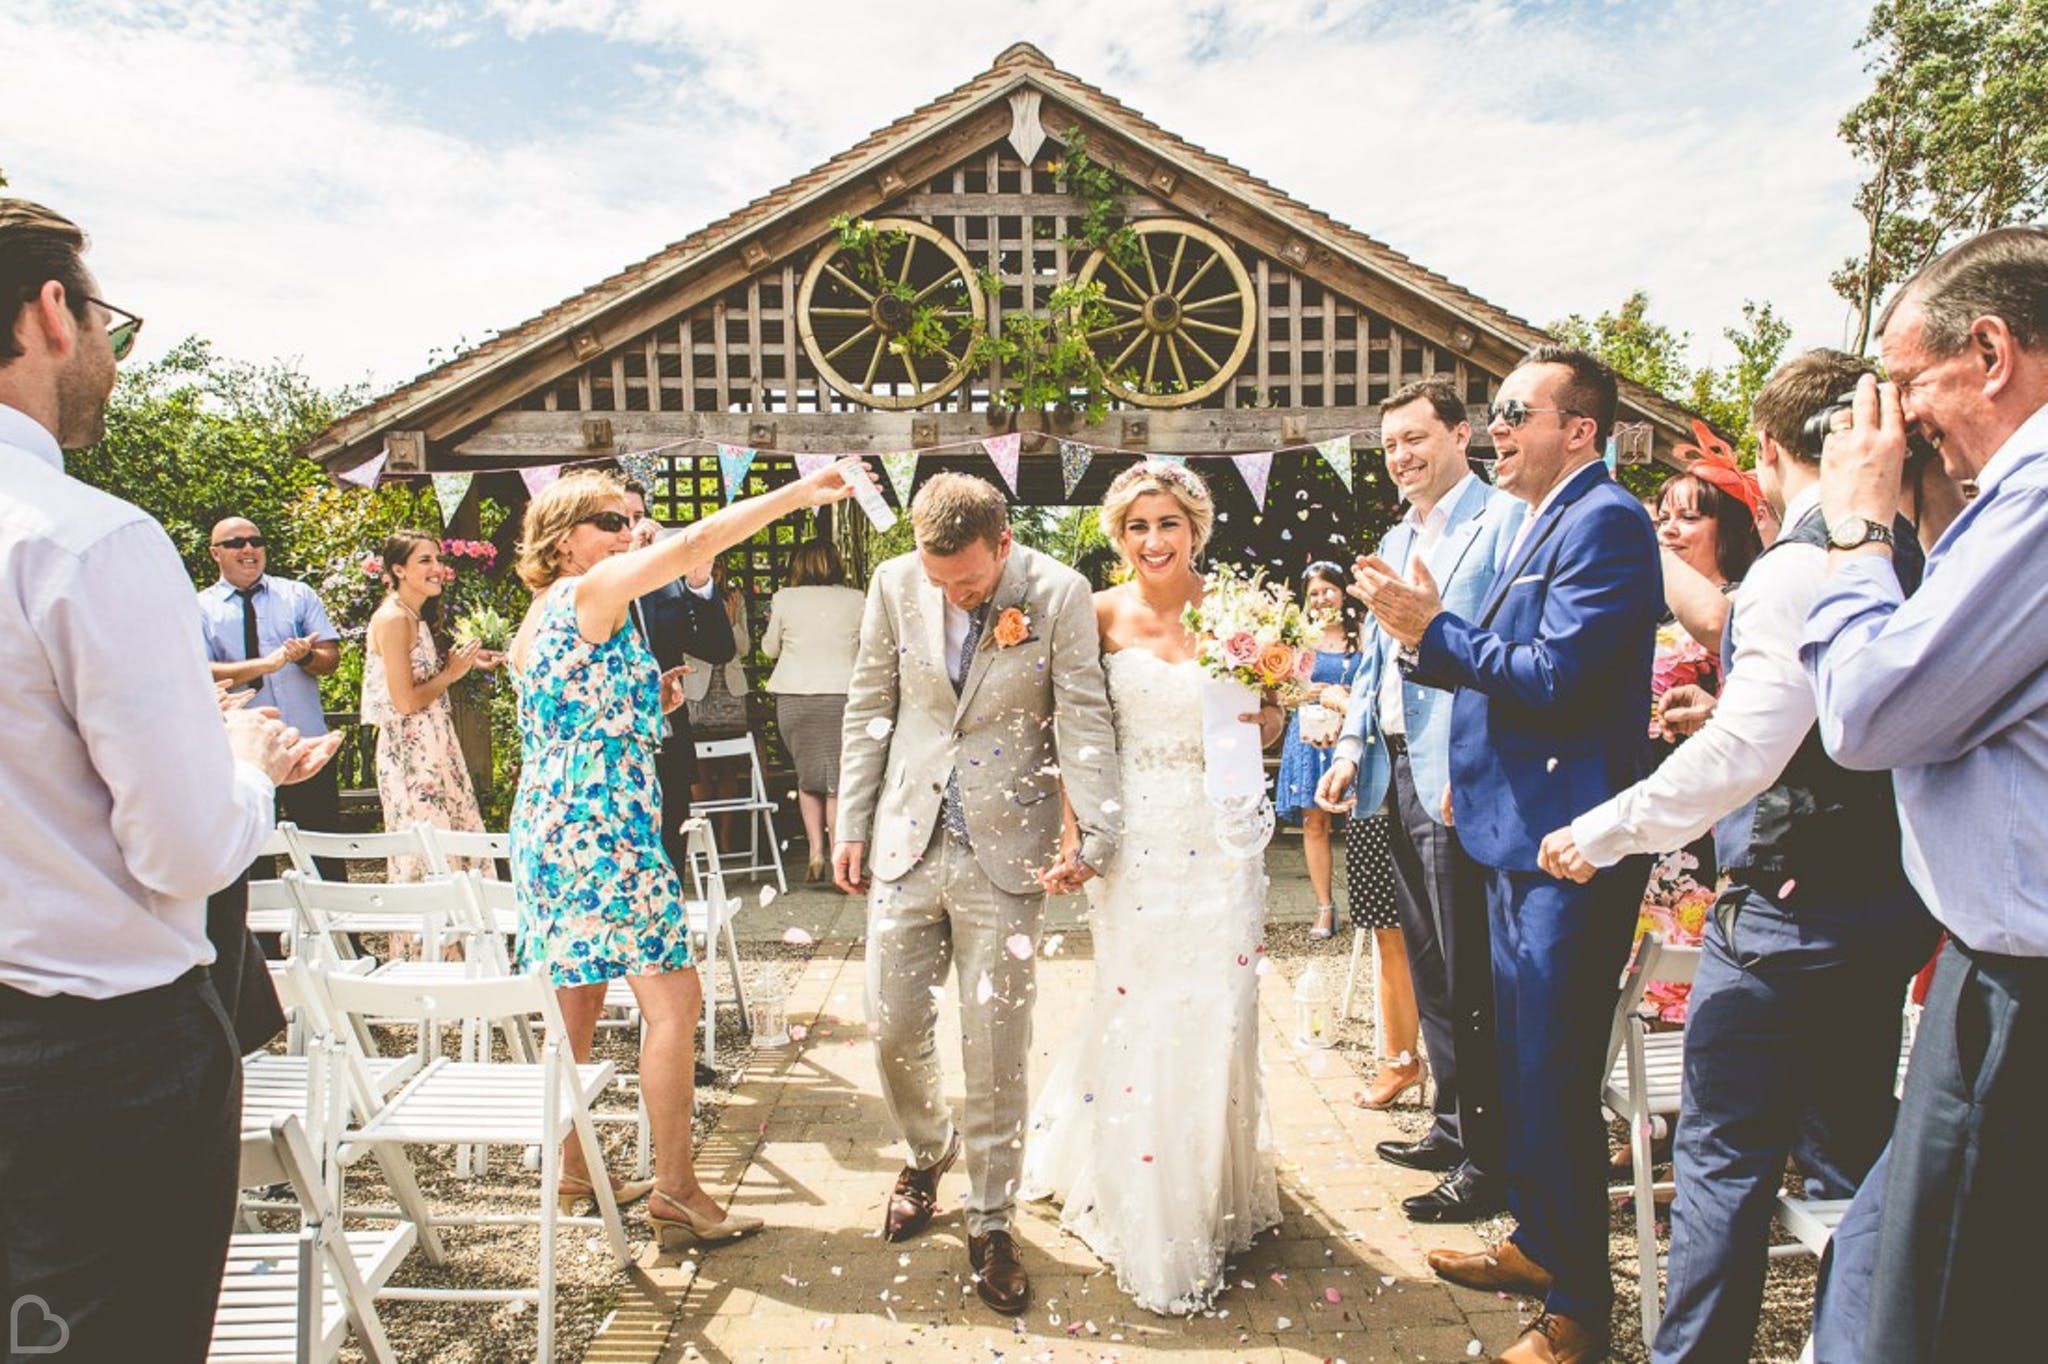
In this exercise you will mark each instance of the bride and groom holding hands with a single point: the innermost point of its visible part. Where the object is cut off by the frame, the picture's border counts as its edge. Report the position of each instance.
(1008, 735)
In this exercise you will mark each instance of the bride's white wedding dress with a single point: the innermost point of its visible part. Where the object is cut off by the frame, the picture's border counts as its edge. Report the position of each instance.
(1153, 1130)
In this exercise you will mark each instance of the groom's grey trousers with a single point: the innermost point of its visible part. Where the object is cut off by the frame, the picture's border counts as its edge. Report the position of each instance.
(944, 911)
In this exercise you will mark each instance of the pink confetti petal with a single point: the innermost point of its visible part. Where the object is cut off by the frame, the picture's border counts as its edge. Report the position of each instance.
(1019, 946)
(1332, 1296)
(1785, 891)
(796, 937)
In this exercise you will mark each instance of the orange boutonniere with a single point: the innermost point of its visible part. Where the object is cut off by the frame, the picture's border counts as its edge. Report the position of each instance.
(1012, 627)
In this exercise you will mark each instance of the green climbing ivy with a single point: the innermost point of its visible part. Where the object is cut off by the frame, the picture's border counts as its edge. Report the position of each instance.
(928, 331)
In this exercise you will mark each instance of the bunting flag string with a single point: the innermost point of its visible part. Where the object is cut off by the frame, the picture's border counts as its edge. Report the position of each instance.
(1255, 469)
(640, 467)
(449, 490)
(364, 475)
(1074, 458)
(733, 463)
(1003, 451)
(901, 467)
(1336, 452)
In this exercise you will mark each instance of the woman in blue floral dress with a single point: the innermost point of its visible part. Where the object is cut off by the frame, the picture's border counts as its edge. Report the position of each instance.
(1302, 764)
(598, 898)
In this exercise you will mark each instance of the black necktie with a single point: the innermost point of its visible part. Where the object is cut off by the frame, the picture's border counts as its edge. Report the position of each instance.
(251, 645)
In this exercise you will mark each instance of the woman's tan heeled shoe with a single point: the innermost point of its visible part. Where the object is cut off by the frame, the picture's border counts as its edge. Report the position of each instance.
(624, 1191)
(688, 1226)
(815, 872)
(1391, 1083)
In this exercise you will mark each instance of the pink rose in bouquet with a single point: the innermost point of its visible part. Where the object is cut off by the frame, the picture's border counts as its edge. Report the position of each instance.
(1305, 666)
(1242, 649)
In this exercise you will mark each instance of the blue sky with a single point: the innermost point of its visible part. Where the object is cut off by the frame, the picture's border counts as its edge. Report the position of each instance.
(360, 182)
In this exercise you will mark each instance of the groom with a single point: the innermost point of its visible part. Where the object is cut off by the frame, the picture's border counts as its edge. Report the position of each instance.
(977, 692)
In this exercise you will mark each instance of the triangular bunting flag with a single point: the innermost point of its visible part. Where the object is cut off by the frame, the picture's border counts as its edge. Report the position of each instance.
(1255, 469)
(1170, 459)
(538, 477)
(1003, 450)
(1074, 457)
(364, 475)
(901, 466)
(733, 463)
(806, 465)
(1337, 454)
(640, 467)
(449, 490)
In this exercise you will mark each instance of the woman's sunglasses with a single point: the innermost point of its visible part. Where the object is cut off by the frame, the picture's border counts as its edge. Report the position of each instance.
(610, 522)
(121, 336)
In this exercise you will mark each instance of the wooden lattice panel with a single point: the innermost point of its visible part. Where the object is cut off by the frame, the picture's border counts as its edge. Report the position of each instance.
(1312, 348)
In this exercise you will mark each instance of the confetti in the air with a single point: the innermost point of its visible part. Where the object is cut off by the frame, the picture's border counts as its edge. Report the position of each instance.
(879, 727)
(1019, 945)
(796, 937)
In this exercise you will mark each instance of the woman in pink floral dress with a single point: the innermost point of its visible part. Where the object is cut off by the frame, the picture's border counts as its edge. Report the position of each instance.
(420, 772)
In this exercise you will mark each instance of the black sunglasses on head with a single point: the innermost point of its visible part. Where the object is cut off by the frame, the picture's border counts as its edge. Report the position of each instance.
(1514, 412)
(120, 336)
(610, 522)
(238, 541)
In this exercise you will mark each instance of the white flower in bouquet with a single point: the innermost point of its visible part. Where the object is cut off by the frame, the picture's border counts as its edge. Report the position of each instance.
(486, 628)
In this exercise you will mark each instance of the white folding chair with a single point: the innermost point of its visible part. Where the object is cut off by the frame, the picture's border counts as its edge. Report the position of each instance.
(756, 805)
(295, 1296)
(308, 844)
(443, 844)
(1645, 1078)
(459, 1103)
(434, 910)
(710, 914)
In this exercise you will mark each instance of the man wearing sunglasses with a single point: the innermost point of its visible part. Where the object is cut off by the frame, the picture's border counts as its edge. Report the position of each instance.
(271, 635)
(1552, 682)
(127, 803)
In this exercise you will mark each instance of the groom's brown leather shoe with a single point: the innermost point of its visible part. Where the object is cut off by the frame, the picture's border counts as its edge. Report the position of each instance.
(999, 1276)
(1504, 1269)
(916, 1196)
(1552, 1339)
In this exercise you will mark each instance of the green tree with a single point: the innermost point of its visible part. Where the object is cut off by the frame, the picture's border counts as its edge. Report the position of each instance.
(194, 437)
(1954, 133)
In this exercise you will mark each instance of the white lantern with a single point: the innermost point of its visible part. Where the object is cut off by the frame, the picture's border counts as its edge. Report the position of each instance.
(768, 1015)
(1313, 1026)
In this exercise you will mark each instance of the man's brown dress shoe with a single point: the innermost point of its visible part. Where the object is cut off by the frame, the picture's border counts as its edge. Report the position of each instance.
(916, 1196)
(1553, 1339)
(999, 1275)
(1501, 1270)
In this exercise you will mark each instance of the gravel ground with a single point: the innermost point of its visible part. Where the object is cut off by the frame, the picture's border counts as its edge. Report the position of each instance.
(1788, 1283)
(589, 1281)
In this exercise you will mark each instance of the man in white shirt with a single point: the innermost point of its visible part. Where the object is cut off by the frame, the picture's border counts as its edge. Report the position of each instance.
(1792, 1033)
(128, 802)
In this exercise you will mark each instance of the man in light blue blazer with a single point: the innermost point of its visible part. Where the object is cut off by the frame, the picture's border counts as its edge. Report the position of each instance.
(1552, 706)
(1395, 749)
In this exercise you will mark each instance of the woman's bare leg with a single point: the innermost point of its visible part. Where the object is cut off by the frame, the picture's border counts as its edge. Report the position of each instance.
(670, 1005)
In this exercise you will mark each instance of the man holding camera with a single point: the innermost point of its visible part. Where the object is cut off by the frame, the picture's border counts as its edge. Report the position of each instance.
(1792, 1033)
(1949, 689)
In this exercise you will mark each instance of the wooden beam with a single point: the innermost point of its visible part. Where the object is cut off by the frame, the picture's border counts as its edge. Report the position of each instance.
(539, 436)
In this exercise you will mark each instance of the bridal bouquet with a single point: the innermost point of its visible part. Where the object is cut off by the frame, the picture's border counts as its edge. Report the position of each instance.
(1254, 633)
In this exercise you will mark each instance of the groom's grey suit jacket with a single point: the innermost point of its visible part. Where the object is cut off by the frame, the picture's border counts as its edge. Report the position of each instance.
(1027, 717)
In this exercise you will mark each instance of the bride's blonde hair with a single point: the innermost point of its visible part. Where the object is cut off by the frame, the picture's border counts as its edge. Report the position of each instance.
(1177, 481)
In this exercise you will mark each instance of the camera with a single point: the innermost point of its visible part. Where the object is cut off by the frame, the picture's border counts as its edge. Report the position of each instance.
(1814, 434)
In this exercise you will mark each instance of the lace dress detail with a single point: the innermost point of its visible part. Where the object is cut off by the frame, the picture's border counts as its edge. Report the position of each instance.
(420, 772)
(1152, 1130)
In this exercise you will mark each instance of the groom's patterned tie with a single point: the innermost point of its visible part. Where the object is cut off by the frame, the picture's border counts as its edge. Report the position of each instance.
(949, 805)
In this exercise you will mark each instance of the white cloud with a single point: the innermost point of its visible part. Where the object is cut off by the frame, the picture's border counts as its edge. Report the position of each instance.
(245, 181)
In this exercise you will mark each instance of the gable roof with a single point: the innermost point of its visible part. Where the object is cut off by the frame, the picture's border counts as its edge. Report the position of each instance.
(353, 437)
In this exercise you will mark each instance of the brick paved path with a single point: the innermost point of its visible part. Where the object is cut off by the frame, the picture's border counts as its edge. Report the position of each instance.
(807, 1144)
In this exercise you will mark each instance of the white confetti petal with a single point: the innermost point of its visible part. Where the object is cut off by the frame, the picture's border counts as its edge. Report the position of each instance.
(1019, 946)
(796, 937)
(984, 989)
(879, 727)
(767, 896)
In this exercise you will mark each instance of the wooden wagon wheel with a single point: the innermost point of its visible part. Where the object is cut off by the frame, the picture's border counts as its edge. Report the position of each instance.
(1182, 314)
(900, 318)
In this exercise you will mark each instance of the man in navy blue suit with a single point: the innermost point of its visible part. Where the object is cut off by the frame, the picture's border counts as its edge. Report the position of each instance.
(1553, 702)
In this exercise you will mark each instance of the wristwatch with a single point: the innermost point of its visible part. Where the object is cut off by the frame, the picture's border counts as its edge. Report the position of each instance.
(1852, 532)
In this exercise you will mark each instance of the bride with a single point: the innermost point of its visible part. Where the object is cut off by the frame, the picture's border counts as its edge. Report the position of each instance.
(1152, 1132)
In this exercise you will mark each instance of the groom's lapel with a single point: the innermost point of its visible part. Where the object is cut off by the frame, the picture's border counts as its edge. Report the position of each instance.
(931, 608)
(1009, 590)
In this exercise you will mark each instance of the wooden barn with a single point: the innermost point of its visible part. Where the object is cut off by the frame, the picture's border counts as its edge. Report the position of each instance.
(1023, 254)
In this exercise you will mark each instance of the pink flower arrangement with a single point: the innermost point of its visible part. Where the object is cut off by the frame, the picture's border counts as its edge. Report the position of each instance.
(373, 567)
(483, 551)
